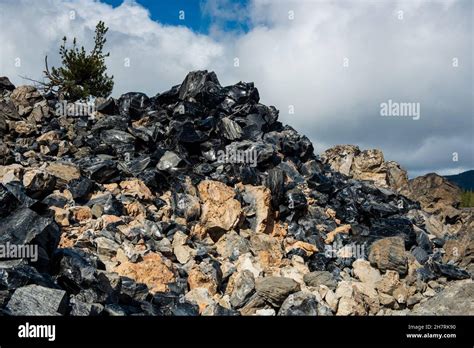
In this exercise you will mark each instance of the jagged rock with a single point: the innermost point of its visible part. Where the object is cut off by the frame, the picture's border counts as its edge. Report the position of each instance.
(276, 289)
(136, 188)
(220, 212)
(24, 98)
(201, 297)
(182, 251)
(366, 165)
(267, 250)
(152, 271)
(365, 272)
(340, 229)
(318, 278)
(389, 253)
(169, 162)
(455, 299)
(434, 192)
(64, 172)
(38, 183)
(37, 300)
(187, 206)
(259, 209)
(5, 84)
(232, 245)
(300, 304)
(205, 275)
(243, 286)
(105, 246)
(24, 226)
(388, 283)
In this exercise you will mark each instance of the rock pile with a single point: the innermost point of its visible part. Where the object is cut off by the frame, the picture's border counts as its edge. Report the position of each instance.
(198, 201)
(438, 198)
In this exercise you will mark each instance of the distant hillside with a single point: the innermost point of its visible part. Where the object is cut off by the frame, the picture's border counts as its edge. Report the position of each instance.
(464, 180)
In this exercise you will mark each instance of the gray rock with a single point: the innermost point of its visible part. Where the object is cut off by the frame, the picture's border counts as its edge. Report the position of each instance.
(318, 278)
(169, 162)
(37, 300)
(187, 206)
(106, 246)
(276, 289)
(299, 304)
(232, 245)
(24, 226)
(83, 309)
(455, 299)
(243, 288)
(230, 129)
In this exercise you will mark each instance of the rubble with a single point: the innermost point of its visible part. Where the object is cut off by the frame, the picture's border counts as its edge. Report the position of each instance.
(198, 201)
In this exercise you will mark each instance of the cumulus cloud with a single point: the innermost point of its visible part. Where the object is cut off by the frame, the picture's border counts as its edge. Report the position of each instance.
(332, 62)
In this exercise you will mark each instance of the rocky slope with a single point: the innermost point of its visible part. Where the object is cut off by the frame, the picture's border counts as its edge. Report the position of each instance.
(198, 201)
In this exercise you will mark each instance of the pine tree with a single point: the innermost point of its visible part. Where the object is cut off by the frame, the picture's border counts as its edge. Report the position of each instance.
(81, 75)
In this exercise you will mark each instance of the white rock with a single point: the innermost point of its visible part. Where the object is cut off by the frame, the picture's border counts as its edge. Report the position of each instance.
(365, 272)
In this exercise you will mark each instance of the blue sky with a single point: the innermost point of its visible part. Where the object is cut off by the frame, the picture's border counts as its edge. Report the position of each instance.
(197, 14)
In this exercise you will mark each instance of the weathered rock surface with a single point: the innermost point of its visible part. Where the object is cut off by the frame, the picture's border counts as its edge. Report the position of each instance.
(276, 289)
(37, 300)
(389, 254)
(455, 299)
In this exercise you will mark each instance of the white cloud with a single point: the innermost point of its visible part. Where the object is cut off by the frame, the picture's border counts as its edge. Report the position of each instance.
(295, 62)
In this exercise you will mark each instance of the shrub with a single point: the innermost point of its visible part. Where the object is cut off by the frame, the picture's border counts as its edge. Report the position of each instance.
(81, 75)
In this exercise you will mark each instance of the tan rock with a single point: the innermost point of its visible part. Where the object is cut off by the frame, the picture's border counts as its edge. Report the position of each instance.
(434, 192)
(389, 253)
(197, 278)
(364, 272)
(48, 137)
(386, 300)
(135, 209)
(248, 262)
(346, 306)
(12, 172)
(279, 230)
(331, 299)
(201, 297)
(112, 188)
(401, 294)
(24, 128)
(61, 216)
(152, 271)
(64, 171)
(267, 250)
(340, 229)
(219, 211)
(331, 213)
(310, 249)
(136, 188)
(81, 213)
(109, 219)
(259, 198)
(344, 289)
(389, 282)
(24, 98)
(182, 251)
(366, 295)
